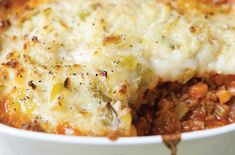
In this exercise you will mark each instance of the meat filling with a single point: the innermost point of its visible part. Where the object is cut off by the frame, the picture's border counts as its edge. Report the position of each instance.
(199, 104)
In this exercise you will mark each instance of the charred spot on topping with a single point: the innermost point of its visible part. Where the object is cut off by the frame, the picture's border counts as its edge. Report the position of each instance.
(26, 46)
(67, 83)
(123, 89)
(17, 7)
(13, 6)
(112, 39)
(192, 29)
(4, 23)
(104, 74)
(16, 3)
(11, 56)
(12, 63)
(35, 39)
(19, 72)
(3, 76)
(33, 126)
(32, 85)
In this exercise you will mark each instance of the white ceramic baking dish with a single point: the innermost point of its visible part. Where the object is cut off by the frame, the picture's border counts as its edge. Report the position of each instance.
(219, 141)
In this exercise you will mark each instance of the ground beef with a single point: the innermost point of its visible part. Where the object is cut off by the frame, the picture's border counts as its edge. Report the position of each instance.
(199, 104)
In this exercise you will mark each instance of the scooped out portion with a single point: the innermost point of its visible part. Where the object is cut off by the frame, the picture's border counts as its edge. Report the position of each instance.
(116, 68)
(198, 104)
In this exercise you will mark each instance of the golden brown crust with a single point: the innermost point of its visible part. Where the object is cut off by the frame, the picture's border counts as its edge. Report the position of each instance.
(205, 6)
(8, 114)
(32, 44)
(12, 6)
(16, 5)
(15, 8)
(11, 115)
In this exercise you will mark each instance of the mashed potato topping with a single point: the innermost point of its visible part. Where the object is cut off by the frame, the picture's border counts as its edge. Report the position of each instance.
(81, 67)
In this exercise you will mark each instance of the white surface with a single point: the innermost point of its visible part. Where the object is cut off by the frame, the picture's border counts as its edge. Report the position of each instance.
(220, 141)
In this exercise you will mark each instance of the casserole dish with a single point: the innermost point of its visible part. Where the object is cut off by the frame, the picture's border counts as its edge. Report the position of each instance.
(212, 142)
(118, 69)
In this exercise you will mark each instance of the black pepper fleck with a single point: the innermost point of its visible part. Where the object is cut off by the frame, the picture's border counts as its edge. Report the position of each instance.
(32, 85)
(67, 83)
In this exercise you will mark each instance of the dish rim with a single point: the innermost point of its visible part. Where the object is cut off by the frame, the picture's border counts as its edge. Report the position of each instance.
(83, 140)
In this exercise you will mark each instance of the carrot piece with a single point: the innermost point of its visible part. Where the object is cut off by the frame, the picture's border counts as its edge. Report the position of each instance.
(198, 90)
(223, 95)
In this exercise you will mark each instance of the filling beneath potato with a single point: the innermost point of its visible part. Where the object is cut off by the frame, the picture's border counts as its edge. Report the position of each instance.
(199, 104)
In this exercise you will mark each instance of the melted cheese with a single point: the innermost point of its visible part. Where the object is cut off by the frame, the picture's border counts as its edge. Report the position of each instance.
(79, 66)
